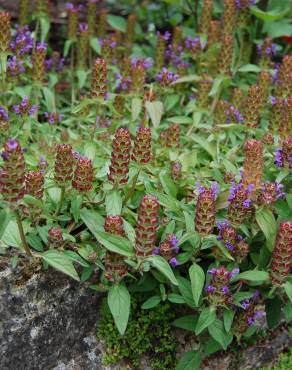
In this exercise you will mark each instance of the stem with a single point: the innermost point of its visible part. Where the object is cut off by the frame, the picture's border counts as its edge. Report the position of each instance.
(216, 99)
(60, 202)
(36, 31)
(72, 76)
(134, 183)
(21, 233)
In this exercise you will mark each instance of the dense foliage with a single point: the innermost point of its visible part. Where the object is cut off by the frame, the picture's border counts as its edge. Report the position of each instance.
(154, 161)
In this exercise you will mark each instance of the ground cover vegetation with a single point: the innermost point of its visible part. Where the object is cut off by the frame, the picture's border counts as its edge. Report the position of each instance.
(150, 157)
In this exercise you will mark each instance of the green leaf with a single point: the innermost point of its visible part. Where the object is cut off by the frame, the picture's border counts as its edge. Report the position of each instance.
(119, 301)
(272, 15)
(267, 223)
(45, 27)
(176, 298)
(197, 277)
(278, 29)
(76, 202)
(162, 265)
(216, 330)
(186, 322)
(216, 85)
(206, 318)
(67, 47)
(113, 203)
(11, 235)
(117, 22)
(60, 262)
(155, 111)
(82, 76)
(253, 275)
(190, 360)
(288, 312)
(250, 68)
(206, 145)
(187, 78)
(168, 185)
(288, 289)
(95, 45)
(5, 217)
(151, 302)
(228, 317)
(115, 243)
(49, 99)
(184, 286)
(136, 108)
(273, 311)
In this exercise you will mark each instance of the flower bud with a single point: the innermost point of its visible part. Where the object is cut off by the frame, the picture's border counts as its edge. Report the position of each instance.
(270, 193)
(229, 17)
(142, 146)
(22, 12)
(4, 121)
(218, 292)
(120, 157)
(266, 51)
(12, 173)
(25, 108)
(239, 202)
(72, 21)
(253, 163)
(237, 98)
(171, 136)
(99, 78)
(203, 92)
(138, 74)
(160, 49)
(264, 84)
(102, 23)
(55, 238)
(130, 33)
(253, 106)
(285, 124)
(83, 175)
(38, 62)
(284, 83)
(64, 163)
(34, 184)
(214, 32)
(147, 225)
(5, 34)
(83, 45)
(205, 209)
(282, 254)
(91, 17)
(115, 268)
(176, 171)
(206, 16)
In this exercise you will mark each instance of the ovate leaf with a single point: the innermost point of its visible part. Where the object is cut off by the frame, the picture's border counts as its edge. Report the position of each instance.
(267, 223)
(155, 111)
(162, 265)
(206, 318)
(190, 361)
(119, 301)
(61, 262)
(197, 277)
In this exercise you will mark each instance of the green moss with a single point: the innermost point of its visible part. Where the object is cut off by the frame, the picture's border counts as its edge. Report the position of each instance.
(149, 333)
(285, 362)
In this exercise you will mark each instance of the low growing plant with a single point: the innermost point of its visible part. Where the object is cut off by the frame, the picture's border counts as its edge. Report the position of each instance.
(154, 163)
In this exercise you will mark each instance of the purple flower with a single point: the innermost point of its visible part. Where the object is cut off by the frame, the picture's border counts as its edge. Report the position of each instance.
(155, 251)
(12, 144)
(200, 188)
(83, 27)
(215, 188)
(25, 108)
(22, 41)
(193, 44)
(173, 240)
(222, 224)
(279, 160)
(250, 320)
(53, 118)
(245, 303)
(166, 36)
(173, 262)
(71, 8)
(273, 100)
(166, 77)
(147, 62)
(210, 289)
(229, 246)
(233, 272)
(212, 271)
(243, 4)
(259, 314)
(41, 46)
(247, 203)
(15, 66)
(3, 114)
(225, 289)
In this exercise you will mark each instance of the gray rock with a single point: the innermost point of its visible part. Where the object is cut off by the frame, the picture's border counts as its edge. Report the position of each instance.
(47, 321)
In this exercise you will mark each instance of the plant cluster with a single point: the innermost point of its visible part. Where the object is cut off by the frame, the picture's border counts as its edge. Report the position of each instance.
(154, 162)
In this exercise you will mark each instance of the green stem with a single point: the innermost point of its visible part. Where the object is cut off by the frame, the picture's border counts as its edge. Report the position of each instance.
(60, 202)
(21, 233)
(72, 76)
(132, 190)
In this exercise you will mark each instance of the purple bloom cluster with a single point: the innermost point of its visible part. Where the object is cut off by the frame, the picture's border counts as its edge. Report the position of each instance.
(111, 43)
(11, 145)
(42, 164)
(22, 41)
(102, 122)
(124, 83)
(244, 4)
(51, 64)
(3, 114)
(41, 46)
(233, 115)
(15, 66)
(25, 108)
(235, 188)
(169, 248)
(72, 8)
(166, 36)
(83, 27)
(166, 77)
(53, 118)
(269, 51)
(194, 44)
(279, 158)
(147, 62)
(231, 274)
(214, 187)
(175, 55)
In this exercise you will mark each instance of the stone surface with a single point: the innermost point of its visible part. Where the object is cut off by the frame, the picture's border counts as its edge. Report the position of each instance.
(47, 321)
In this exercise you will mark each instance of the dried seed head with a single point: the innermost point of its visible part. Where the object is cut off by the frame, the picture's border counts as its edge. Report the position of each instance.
(142, 153)
(99, 78)
(34, 184)
(83, 175)
(55, 238)
(253, 163)
(5, 34)
(64, 163)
